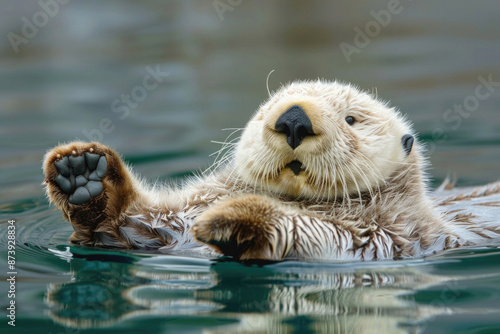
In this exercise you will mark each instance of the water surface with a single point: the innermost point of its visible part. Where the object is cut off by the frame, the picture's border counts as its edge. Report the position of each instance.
(62, 84)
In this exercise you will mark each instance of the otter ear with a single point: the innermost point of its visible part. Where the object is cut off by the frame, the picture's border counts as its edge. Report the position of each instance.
(407, 141)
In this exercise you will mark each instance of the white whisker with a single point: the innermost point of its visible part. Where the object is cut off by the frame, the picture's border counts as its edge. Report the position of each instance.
(267, 83)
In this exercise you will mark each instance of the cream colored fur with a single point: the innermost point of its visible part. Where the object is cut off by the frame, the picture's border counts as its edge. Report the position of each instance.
(340, 160)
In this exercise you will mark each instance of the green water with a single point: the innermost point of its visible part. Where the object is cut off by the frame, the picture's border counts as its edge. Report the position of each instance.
(62, 84)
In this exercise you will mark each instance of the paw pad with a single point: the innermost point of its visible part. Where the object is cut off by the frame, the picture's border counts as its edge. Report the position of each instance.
(81, 176)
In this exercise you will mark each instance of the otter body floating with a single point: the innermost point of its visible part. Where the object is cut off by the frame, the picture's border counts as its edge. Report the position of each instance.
(323, 171)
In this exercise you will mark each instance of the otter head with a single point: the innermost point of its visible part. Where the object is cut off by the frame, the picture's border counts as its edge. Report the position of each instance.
(322, 140)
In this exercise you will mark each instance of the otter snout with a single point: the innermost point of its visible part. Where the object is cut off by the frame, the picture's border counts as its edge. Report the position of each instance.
(295, 124)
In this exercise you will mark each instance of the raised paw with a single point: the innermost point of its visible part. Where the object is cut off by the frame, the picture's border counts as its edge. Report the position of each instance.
(247, 228)
(80, 176)
(90, 184)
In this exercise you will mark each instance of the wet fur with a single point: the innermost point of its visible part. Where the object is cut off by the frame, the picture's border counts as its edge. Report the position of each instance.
(359, 197)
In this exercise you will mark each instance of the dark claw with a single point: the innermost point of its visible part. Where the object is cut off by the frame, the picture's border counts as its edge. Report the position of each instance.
(62, 166)
(63, 183)
(78, 164)
(92, 160)
(102, 167)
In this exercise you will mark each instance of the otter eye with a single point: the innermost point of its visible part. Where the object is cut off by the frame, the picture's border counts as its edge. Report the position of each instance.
(350, 120)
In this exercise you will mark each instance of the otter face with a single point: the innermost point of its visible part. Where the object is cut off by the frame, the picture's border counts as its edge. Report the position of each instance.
(322, 140)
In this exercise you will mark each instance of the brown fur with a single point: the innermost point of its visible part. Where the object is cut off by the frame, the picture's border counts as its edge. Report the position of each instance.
(104, 212)
(243, 227)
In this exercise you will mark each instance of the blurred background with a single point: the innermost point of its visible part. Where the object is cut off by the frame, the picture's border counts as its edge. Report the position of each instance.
(67, 68)
(158, 80)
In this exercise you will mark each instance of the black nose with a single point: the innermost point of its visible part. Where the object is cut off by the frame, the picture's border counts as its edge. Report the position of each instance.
(295, 124)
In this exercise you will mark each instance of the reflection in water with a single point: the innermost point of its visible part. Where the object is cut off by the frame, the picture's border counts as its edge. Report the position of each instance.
(283, 297)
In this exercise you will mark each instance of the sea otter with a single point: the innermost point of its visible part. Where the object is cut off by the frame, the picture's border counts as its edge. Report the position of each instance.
(322, 171)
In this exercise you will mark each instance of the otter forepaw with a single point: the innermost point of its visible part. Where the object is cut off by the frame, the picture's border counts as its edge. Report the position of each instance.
(80, 176)
(74, 173)
(90, 184)
(247, 227)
